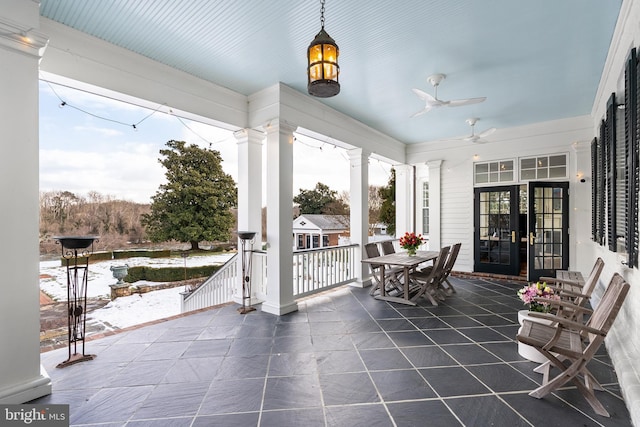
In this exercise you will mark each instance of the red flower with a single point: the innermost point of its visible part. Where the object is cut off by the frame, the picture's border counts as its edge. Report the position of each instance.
(411, 240)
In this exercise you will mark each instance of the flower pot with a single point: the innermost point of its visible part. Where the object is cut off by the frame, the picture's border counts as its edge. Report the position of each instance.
(120, 272)
(525, 350)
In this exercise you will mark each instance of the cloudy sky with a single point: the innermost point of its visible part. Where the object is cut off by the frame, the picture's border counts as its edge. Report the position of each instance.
(89, 144)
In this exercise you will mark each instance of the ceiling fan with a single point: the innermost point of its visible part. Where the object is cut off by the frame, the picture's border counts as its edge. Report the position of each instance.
(432, 102)
(476, 138)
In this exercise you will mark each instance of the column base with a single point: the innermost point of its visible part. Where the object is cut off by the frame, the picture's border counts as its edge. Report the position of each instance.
(38, 387)
(280, 309)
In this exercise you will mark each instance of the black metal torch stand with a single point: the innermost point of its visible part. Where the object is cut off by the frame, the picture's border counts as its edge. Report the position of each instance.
(246, 237)
(75, 252)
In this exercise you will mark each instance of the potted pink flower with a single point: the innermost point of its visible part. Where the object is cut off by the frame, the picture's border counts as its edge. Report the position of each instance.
(540, 290)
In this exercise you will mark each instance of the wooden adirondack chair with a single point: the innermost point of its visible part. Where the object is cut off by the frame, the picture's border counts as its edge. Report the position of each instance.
(574, 343)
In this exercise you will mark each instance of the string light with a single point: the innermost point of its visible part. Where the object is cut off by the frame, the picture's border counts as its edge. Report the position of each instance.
(134, 126)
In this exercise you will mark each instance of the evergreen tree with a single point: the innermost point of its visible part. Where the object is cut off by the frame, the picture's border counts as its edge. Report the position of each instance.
(320, 200)
(388, 207)
(195, 203)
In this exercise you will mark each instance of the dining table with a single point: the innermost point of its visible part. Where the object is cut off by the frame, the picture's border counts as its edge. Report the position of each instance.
(408, 263)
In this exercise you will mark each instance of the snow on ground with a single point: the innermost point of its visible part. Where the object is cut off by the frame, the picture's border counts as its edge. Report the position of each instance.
(131, 310)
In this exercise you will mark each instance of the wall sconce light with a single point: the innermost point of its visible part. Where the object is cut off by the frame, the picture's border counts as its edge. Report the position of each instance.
(580, 176)
(322, 63)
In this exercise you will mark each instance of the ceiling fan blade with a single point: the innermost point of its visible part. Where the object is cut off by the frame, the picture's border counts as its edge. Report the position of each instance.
(421, 112)
(430, 100)
(469, 101)
(423, 95)
(486, 132)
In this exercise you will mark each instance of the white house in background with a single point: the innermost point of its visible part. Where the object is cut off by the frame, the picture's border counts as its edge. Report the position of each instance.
(319, 231)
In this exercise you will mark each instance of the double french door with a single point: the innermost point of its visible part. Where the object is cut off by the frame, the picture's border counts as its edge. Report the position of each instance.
(522, 230)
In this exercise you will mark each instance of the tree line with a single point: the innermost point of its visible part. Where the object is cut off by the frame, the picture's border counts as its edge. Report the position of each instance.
(115, 221)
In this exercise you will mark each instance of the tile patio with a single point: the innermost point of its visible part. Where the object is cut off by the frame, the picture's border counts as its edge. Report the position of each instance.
(344, 359)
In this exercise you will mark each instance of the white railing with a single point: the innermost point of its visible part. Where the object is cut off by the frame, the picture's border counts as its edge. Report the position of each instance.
(315, 270)
(218, 289)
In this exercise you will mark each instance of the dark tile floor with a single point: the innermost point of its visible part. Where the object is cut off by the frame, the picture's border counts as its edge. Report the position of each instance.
(344, 359)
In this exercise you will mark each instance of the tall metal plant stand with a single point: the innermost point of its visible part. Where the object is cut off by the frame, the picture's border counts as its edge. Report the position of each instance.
(75, 252)
(246, 237)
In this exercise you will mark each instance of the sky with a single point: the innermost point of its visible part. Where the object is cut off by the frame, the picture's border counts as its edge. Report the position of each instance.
(90, 144)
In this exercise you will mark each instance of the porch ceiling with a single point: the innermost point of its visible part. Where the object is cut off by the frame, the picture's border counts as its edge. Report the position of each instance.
(534, 61)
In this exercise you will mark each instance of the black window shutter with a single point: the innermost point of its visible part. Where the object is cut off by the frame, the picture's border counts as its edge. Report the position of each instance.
(601, 166)
(610, 147)
(595, 232)
(631, 168)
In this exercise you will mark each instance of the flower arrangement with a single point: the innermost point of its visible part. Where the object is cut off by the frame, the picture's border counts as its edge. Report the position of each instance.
(541, 290)
(411, 242)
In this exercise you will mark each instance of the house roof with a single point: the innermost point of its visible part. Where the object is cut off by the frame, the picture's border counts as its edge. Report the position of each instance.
(324, 222)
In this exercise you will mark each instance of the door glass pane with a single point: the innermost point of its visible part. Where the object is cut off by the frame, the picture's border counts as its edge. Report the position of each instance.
(495, 227)
(548, 243)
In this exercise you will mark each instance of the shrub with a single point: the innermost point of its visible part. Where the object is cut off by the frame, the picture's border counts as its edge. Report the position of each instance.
(168, 274)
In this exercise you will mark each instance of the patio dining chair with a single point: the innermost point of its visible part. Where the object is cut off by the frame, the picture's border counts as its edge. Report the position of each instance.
(563, 344)
(578, 294)
(428, 283)
(445, 285)
(391, 281)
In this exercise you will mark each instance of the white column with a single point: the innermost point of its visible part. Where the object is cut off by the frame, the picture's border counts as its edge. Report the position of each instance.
(435, 176)
(21, 46)
(359, 209)
(279, 298)
(404, 199)
(250, 202)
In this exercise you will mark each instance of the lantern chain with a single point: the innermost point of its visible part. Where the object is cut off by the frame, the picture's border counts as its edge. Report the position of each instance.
(322, 13)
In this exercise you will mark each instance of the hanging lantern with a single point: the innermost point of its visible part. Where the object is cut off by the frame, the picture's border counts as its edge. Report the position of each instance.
(322, 59)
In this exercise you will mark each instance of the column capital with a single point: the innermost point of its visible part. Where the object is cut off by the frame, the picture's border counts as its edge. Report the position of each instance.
(22, 38)
(249, 135)
(402, 168)
(434, 164)
(282, 126)
(358, 153)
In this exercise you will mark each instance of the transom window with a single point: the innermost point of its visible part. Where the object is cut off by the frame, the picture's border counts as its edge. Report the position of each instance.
(490, 172)
(543, 167)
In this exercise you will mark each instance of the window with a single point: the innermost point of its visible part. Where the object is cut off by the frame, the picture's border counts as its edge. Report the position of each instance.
(425, 208)
(490, 172)
(543, 167)
(325, 241)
